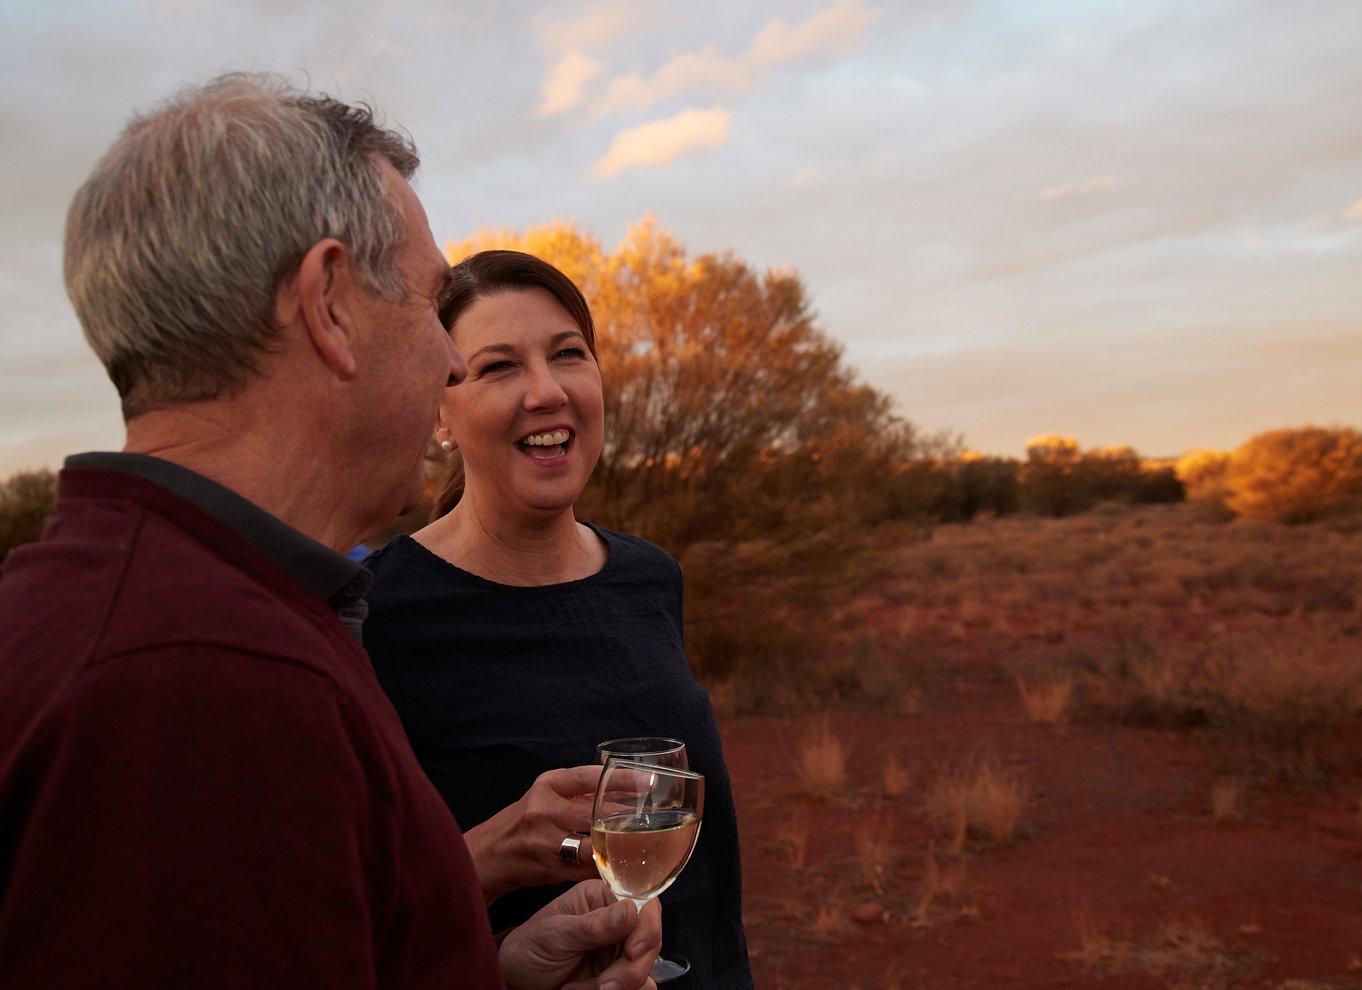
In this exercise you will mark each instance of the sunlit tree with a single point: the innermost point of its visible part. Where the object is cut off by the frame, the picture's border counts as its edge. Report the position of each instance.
(1202, 473)
(1296, 475)
(1054, 482)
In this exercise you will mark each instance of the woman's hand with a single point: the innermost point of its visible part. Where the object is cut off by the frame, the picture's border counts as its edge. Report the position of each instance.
(585, 937)
(518, 846)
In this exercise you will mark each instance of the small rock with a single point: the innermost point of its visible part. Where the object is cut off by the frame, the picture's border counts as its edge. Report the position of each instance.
(869, 913)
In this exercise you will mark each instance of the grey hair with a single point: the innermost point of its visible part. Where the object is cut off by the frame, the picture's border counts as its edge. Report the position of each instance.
(179, 240)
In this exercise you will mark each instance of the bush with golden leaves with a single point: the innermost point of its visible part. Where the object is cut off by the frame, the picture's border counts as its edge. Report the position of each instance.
(1296, 475)
(1202, 473)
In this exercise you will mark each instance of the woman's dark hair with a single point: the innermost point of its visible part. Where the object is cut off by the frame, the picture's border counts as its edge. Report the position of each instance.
(489, 273)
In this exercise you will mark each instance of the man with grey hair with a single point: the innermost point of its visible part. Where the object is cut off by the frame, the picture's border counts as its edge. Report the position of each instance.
(201, 782)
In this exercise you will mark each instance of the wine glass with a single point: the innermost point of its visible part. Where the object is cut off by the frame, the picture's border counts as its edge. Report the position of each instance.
(656, 750)
(644, 825)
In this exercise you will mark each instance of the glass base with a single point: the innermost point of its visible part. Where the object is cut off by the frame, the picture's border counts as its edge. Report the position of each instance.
(668, 969)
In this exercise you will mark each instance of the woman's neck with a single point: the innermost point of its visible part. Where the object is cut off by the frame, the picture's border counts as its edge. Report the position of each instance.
(555, 550)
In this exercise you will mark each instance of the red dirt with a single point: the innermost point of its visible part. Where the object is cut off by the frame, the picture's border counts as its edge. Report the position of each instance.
(1117, 834)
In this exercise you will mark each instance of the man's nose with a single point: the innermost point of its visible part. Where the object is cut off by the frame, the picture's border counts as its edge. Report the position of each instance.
(458, 367)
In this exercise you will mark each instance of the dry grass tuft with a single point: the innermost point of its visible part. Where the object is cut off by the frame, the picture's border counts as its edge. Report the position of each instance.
(910, 701)
(793, 837)
(875, 853)
(897, 778)
(830, 918)
(980, 798)
(1096, 949)
(939, 887)
(822, 762)
(1226, 799)
(723, 696)
(1180, 945)
(1159, 881)
(1175, 948)
(1047, 701)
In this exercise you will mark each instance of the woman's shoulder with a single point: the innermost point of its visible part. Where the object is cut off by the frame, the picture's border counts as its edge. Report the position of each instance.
(398, 552)
(403, 566)
(628, 549)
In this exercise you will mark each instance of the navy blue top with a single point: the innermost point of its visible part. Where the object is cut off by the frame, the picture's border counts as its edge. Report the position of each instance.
(496, 684)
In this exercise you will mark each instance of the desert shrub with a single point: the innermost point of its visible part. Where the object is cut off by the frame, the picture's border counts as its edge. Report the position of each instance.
(1112, 473)
(1290, 699)
(1055, 484)
(973, 485)
(1145, 682)
(26, 501)
(1296, 475)
(1202, 473)
(759, 617)
(1158, 483)
(1286, 700)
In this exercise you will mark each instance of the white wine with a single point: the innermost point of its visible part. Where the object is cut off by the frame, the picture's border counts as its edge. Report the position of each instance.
(639, 855)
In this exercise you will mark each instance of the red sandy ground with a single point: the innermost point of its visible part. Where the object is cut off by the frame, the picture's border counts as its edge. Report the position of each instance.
(1117, 835)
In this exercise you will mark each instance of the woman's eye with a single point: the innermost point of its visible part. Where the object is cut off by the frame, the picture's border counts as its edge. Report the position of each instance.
(495, 366)
(575, 352)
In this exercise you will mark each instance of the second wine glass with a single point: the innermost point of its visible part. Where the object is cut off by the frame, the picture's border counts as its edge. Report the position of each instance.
(644, 826)
(660, 751)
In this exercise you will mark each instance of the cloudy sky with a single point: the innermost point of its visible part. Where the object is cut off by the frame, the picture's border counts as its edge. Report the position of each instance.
(1130, 221)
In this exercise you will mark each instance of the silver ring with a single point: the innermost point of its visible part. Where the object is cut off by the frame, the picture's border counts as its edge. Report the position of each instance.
(570, 849)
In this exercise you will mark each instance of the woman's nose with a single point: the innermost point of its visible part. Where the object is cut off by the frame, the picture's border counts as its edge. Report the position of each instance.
(543, 390)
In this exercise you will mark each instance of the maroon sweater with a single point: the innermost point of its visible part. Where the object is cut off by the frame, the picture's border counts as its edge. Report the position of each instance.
(201, 783)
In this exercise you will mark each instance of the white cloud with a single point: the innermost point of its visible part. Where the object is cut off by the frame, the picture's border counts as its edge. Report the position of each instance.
(837, 28)
(1354, 212)
(816, 174)
(881, 163)
(562, 89)
(600, 24)
(662, 141)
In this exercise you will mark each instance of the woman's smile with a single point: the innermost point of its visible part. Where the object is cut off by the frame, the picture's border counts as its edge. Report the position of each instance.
(548, 445)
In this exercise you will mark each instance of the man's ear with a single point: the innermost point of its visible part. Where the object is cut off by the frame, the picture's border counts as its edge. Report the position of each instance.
(326, 298)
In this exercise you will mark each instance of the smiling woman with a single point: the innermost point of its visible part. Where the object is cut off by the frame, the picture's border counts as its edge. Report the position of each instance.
(513, 638)
(528, 426)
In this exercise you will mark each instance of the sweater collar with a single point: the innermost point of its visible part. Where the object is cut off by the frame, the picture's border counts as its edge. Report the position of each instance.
(331, 576)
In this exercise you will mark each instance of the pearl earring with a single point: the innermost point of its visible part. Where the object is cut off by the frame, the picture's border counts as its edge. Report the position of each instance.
(446, 445)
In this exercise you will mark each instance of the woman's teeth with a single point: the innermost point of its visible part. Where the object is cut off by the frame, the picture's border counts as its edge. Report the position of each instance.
(544, 445)
(549, 439)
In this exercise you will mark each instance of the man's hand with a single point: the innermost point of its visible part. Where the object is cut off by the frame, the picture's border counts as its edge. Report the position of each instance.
(572, 941)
